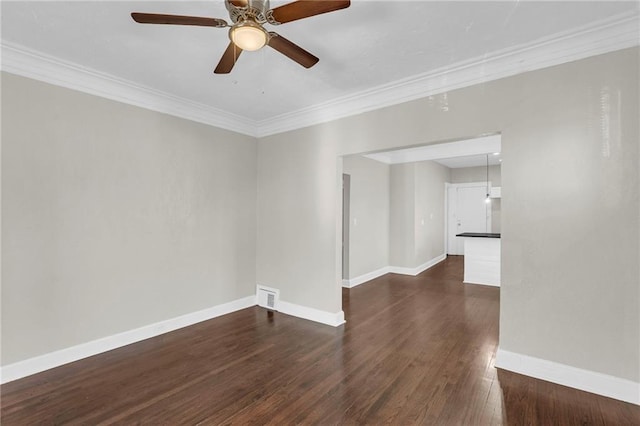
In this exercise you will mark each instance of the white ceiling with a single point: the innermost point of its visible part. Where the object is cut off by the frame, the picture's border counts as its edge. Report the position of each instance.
(370, 44)
(470, 161)
(463, 153)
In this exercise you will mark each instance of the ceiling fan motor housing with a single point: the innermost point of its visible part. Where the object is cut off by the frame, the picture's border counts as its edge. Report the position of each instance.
(254, 10)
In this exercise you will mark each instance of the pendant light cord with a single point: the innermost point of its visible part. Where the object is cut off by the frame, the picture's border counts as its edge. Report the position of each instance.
(486, 222)
(487, 175)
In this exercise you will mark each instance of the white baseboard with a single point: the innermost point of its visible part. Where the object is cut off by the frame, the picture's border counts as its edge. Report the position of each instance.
(418, 269)
(312, 314)
(352, 282)
(589, 381)
(479, 283)
(44, 362)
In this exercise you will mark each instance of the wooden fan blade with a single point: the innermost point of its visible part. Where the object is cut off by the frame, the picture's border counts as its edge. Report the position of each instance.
(228, 60)
(154, 18)
(238, 3)
(292, 51)
(306, 8)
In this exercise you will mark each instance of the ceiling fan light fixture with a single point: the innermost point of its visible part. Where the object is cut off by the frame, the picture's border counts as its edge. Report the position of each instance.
(247, 32)
(248, 35)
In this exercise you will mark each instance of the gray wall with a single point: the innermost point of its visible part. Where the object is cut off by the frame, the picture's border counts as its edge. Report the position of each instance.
(402, 215)
(479, 174)
(369, 214)
(397, 213)
(570, 213)
(298, 236)
(417, 213)
(115, 217)
(429, 211)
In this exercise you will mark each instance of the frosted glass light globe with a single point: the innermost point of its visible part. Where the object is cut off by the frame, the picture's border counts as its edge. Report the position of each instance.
(248, 35)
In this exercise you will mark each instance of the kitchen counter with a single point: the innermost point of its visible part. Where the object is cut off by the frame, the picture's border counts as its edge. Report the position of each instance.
(479, 235)
(481, 258)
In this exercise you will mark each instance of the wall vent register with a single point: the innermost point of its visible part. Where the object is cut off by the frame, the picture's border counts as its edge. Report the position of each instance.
(267, 297)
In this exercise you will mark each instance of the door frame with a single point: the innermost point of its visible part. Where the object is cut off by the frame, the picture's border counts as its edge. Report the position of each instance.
(448, 186)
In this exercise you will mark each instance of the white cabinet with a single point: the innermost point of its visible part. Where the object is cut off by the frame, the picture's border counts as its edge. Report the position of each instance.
(482, 261)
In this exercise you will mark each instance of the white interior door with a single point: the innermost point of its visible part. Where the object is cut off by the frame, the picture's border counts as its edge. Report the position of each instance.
(468, 212)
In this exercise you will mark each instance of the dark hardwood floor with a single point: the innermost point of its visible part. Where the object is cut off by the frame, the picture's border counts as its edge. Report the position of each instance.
(415, 350)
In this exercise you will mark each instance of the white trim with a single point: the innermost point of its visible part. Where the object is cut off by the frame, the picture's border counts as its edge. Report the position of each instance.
(566, 375)
(480, 145)
(418, 269)
(352, 282)
(334, 319)
(446, 217)
(22, 61)
(470, 184)
(614, 33)
(44, 362)
(479, 283)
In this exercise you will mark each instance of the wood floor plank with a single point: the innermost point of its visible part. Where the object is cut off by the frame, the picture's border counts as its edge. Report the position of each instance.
(414, 350)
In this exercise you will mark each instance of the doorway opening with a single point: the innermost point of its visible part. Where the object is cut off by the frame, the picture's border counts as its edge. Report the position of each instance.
(467, 211)
(401, 209)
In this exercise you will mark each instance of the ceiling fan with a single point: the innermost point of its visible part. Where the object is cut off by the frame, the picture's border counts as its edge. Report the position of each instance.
(247, 30)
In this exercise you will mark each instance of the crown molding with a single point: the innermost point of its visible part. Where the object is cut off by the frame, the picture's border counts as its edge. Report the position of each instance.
(22, 61)
(615, 33)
